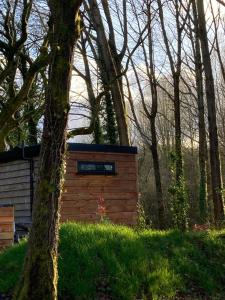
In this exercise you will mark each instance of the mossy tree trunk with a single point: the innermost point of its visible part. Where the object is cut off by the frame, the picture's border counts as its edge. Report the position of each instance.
(39, 280)
(216, 180)
(111, 66)
(111, 129)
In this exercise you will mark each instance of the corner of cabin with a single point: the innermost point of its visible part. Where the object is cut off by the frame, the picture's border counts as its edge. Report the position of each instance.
(100, 171)
(93, 172)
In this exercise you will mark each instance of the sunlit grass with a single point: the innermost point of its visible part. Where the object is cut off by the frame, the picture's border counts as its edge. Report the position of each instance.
(122, 263)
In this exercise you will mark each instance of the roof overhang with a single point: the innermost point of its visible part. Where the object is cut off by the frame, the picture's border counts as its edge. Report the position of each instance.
(26, 153)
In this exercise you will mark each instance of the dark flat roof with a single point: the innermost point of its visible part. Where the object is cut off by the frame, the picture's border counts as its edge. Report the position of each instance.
(101, 148)
(33, 151)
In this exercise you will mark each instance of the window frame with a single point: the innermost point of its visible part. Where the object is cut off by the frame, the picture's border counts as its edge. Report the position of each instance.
(96, 172)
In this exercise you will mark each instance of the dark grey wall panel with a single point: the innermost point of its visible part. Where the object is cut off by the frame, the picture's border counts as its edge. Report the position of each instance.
(15, 189)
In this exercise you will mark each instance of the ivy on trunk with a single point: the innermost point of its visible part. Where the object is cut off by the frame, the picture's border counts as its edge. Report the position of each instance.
(39, 280)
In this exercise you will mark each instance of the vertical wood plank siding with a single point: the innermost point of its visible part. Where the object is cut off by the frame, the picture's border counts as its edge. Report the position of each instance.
(15, 189)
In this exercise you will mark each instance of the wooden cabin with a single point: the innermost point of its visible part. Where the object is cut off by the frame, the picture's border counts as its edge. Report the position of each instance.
(93, 172)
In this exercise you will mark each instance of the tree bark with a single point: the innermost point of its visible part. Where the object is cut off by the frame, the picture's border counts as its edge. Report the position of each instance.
(157, 176)
(111, 128)
(7, 119)
(40, 277)
(153, 114)
(203, 207)
(97, 130)
(212, 121)
(111, 72)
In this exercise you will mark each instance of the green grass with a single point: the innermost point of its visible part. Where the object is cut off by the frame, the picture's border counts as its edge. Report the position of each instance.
(96, 260)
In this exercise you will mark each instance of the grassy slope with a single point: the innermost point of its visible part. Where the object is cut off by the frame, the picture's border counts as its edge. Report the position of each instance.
(98, 260)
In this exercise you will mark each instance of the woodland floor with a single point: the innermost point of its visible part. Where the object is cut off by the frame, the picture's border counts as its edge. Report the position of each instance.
(107, 262)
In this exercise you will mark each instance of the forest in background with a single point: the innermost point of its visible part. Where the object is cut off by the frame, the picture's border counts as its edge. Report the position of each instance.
(147, 73)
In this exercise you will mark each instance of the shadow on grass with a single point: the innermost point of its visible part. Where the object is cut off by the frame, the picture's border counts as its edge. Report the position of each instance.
(190, 264)
(115, 262)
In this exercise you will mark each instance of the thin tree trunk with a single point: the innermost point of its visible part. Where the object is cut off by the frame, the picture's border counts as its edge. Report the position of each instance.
(153, 114)
(157, 176)
(7, 120)
(203, 214)
(97, 130)
(212, 121)
(178, 147)
(40, 277)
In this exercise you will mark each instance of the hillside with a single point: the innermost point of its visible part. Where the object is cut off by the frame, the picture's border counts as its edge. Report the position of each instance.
(115, 262)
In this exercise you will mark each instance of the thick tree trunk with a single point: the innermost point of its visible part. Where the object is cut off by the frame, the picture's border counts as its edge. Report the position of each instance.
(120, 112)
(212, 121)
(39, 279)
(110, 73)
(203, 207)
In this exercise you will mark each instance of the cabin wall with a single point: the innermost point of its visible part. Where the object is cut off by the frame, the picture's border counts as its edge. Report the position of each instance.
(15, 189)
(81, 192)
(120, 191)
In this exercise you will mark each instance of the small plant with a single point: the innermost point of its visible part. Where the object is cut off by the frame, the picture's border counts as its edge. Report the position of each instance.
(101, 210)
(142, 219)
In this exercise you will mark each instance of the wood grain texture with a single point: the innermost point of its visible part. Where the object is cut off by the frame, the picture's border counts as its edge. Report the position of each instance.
(13, 166)
(120, 192)
(17, 173)
(81, 192)
(5, 243)
(6, 226)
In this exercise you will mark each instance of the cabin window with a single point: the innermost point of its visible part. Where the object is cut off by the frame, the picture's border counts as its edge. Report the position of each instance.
(96, 168)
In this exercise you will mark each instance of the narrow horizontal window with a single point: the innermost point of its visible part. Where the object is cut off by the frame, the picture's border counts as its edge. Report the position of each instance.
(96, 168)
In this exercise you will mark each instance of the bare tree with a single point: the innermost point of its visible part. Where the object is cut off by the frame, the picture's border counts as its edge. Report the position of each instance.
(110, 62)
(14, 57)
(175, 66)
(213, 135)
(150, 113)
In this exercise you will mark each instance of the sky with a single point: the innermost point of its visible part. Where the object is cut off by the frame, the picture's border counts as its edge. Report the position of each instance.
(78, 88)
